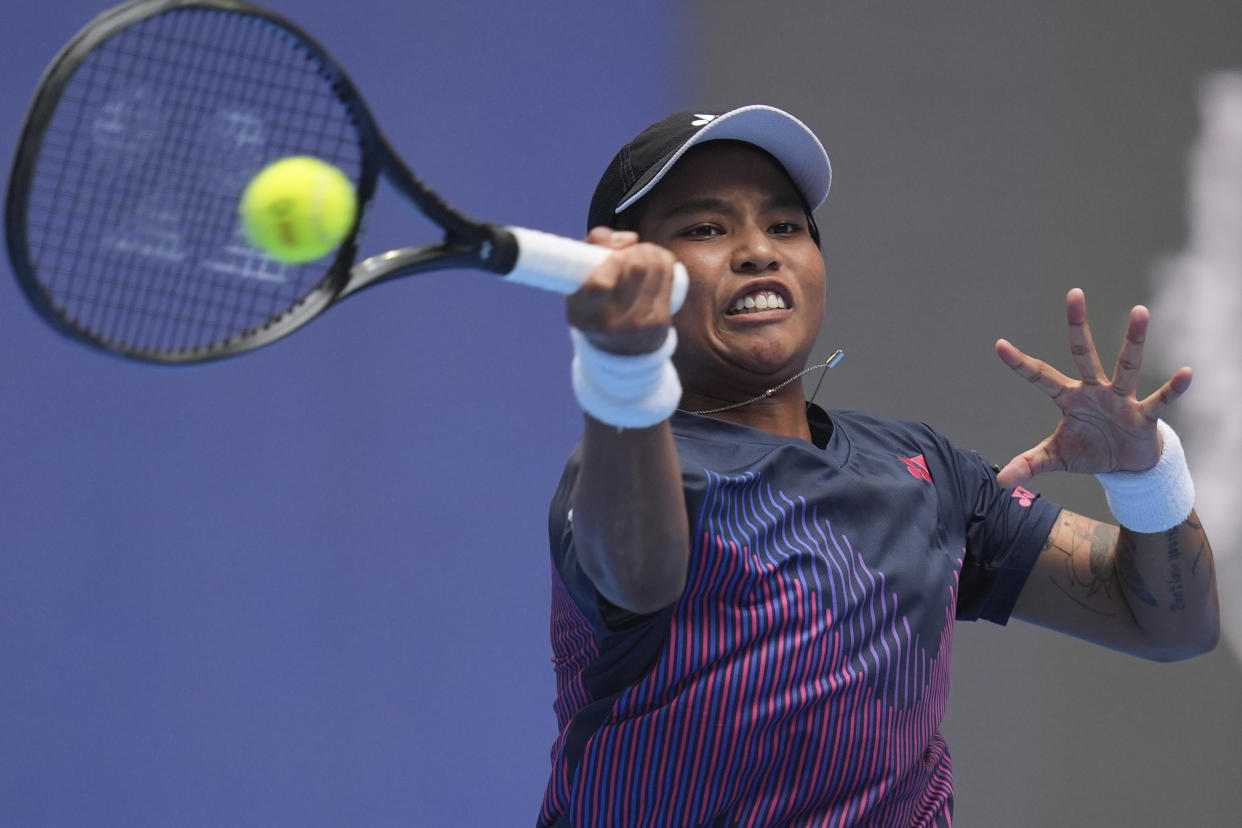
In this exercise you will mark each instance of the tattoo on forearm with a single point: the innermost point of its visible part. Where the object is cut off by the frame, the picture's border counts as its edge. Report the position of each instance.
(1116, 575)
(1129, 573)
(1079, 601)
(1103, 572)
(1204, 547)
(1101, 577)
(1174, 580)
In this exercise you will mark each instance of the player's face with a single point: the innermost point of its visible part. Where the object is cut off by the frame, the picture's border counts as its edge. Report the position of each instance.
(731, 215)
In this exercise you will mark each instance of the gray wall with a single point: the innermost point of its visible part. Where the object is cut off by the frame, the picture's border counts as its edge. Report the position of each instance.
(988, 157)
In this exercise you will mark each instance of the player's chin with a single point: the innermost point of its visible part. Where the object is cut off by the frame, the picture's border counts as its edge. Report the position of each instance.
(769, 356)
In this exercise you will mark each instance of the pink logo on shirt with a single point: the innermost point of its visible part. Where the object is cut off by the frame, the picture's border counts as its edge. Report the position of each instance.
(918, 467)
(1025, 497)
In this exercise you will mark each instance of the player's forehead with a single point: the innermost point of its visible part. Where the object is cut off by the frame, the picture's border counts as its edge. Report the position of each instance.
(723, 172)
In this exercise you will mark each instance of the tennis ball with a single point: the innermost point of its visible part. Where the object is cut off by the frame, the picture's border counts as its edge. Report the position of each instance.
(298, 208)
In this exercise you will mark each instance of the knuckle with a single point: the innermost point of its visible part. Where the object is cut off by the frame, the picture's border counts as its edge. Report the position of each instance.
(629, 261)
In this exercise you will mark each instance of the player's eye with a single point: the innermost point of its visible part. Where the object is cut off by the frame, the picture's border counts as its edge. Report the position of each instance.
(702, 231)
(785, 228)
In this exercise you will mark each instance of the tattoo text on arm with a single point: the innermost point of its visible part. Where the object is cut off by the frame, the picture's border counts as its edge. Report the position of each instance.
(1176, 591)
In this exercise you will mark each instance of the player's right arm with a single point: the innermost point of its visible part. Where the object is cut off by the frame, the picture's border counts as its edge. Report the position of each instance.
(629, 516)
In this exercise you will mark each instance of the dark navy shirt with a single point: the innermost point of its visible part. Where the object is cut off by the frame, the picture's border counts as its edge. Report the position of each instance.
(802, 676)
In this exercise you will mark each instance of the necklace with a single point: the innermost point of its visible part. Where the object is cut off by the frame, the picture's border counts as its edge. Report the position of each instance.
(830, 362)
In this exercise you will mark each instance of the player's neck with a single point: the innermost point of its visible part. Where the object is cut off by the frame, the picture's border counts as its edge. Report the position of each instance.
(782, 414)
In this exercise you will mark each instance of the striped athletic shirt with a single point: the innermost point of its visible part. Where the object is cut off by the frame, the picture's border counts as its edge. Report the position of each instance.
(801, 678)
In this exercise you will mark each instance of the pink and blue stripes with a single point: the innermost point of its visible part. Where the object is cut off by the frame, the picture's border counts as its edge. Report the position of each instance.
(792, 691)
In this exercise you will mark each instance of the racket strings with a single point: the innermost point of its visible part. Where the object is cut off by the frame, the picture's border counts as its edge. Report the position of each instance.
(145, 229)
(132, 211)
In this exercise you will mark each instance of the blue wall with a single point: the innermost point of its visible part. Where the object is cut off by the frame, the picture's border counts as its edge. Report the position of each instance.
(309, 586)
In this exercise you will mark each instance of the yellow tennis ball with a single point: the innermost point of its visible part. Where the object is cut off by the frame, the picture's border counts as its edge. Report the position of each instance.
(298, 208)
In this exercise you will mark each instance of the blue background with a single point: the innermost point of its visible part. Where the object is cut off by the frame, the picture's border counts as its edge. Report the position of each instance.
(310, 586)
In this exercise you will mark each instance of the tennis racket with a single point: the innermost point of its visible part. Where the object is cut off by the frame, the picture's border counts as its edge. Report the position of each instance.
(121, 214)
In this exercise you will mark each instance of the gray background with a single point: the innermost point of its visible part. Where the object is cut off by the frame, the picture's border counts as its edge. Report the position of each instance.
(987, 158)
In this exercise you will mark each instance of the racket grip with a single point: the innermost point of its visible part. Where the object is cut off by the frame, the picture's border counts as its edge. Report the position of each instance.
(562, 264)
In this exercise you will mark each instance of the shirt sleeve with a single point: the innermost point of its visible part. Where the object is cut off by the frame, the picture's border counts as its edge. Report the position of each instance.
(1005, 531)
(564, 553)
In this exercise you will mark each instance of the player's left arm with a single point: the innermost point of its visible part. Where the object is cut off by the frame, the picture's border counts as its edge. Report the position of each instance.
(1149, 586)
(1152, 595)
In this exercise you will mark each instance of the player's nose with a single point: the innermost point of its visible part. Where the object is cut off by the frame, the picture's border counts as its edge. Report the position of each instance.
(754, 251)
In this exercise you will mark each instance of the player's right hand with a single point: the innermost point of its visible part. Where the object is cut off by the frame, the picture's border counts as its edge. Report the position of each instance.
(624, 305)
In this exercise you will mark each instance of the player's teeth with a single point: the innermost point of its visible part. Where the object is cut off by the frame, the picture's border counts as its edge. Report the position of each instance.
(763, 300)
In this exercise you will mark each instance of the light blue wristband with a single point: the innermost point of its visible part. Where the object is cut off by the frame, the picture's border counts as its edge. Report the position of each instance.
(1157, 499)
(627, 391)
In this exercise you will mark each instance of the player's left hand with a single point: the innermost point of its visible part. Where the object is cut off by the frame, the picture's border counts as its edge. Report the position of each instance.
(1104, 426)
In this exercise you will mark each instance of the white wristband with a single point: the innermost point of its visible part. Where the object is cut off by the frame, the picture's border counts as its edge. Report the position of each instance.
(1157, 499)
(628, 391)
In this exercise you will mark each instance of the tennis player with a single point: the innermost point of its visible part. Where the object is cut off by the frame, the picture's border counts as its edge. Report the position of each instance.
(754, 598)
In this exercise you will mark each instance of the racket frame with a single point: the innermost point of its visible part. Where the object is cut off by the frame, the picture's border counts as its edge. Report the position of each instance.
(466, 244)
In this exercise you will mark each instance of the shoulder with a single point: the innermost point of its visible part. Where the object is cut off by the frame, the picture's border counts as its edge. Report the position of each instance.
(875, 439)
(867, 431)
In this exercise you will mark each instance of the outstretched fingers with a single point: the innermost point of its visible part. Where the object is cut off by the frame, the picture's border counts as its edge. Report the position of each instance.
(1130, 360)
(1028, 464)
(1104, 426)
(1164, 396)
(1082, 346)
(1035, 371)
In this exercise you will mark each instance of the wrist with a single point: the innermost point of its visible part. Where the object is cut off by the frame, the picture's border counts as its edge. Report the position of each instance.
(625, 390)
(1157, 499)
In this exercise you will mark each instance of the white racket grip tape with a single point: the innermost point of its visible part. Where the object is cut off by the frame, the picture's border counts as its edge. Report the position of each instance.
(562, 264)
